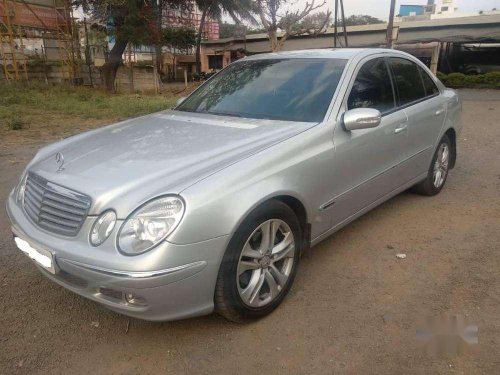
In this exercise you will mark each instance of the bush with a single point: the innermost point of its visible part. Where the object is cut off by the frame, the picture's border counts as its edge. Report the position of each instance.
(456, 80)
(459, 80)
(16, 124)
(492, 78)
(441, 76)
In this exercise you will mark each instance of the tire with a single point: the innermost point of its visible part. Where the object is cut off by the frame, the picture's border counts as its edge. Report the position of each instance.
(236, 285)
(431, 186)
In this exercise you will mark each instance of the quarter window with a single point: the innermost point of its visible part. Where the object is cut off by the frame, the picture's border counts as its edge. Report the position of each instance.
(408, 82)
(430, 86)
(372, 87)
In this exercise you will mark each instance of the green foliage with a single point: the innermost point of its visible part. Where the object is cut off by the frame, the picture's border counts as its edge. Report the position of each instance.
(458, 80)
(362, 19)
(441, 76)
(16, 124)
(226, 30)
(132, 20)
(179, 38)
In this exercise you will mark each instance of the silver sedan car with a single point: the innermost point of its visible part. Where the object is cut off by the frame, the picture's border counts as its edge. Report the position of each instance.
(208, 207)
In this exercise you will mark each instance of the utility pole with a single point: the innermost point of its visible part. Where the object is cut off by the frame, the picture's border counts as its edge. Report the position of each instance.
(390, 26)
(335, 34)
(336, 38)
(343, 22)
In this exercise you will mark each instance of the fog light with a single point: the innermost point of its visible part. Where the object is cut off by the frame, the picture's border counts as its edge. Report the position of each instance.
(135, 300)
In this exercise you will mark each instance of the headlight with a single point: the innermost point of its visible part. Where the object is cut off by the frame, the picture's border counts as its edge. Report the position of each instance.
(102, 228)
(150, 224)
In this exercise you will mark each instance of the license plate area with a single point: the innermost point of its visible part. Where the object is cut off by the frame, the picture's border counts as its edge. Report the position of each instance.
(41, 257)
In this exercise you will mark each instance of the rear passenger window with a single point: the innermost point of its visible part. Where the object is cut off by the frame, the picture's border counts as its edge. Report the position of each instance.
(408, 82)
(430, 86)
(372, 87)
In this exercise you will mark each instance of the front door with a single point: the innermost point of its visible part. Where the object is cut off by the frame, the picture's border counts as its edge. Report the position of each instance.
(368, 162)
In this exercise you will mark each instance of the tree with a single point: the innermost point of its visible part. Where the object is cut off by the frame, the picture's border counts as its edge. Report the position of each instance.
(226, 30)
(131, 21)
(236, 9)
(291, 23)
(179, 39)
(362, 19)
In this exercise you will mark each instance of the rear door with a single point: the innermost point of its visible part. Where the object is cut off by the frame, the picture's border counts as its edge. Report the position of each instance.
(367, 162)
(425, 107)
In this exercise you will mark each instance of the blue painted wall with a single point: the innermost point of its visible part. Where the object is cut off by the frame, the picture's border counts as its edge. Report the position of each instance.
(405, 10)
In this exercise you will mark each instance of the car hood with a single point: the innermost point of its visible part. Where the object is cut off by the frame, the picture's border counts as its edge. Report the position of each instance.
(157, 154)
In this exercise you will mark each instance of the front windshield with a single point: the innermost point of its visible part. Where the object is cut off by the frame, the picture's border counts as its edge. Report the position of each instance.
(281, 89)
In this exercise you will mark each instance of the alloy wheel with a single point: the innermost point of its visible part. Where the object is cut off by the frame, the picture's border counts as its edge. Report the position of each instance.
(265, 263)
(441, 165)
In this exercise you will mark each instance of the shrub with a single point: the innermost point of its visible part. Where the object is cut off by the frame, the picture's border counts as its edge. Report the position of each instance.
(16, 124)
(492, 78)
(441, 76)
(459, 80)
(456, 80)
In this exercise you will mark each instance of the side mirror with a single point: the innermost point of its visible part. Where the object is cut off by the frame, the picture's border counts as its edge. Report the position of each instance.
(361, 118)
(180, 100)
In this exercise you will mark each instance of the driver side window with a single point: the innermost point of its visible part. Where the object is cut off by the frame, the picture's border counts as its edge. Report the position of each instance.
(372, 87)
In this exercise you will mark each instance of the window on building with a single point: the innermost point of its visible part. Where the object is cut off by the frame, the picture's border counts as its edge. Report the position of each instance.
(215, 62)
(372, 87)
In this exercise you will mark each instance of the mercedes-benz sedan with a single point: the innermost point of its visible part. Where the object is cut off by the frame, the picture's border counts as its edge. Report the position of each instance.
(209, 206)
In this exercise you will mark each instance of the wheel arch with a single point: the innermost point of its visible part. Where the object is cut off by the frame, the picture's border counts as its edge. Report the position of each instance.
(296, 206)
(452, 136)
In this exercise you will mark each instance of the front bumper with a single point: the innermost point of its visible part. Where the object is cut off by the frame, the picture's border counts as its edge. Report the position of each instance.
(171, 281)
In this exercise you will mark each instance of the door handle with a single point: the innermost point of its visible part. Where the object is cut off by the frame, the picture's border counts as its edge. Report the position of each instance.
(439, 112)
(400, 128)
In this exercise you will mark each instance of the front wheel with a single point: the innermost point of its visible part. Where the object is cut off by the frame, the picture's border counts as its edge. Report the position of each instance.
(260, 263)
(438, 171)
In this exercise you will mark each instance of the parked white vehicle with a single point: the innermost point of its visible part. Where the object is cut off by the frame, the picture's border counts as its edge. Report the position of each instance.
(209, 206)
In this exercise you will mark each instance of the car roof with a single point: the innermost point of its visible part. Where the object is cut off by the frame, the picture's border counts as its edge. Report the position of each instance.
(332, 53)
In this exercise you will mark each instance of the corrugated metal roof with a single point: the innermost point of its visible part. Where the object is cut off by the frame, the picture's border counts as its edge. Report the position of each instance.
(486, 21)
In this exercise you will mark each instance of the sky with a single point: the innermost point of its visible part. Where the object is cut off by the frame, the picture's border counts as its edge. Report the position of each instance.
(380, 8)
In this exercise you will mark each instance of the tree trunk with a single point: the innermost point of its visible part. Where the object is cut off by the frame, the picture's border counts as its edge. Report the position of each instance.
(110, 68)
(273, 40)
(198, 40)
(158, 47)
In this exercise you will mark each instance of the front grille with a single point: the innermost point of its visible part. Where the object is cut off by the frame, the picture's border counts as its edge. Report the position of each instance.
(53, 207)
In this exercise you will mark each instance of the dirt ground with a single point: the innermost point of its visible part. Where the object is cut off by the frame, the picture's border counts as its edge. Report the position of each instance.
(354, 307)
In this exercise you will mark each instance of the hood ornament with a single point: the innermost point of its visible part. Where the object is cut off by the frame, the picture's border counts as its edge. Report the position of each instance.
(59, 161)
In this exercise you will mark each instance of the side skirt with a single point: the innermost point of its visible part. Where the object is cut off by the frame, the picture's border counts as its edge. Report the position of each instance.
(371, 206)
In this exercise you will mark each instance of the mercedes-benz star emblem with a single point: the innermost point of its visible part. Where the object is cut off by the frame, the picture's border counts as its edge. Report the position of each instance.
(59, 161)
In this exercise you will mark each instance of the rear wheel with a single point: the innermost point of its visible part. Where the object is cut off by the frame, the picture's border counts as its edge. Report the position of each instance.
(260, 263)
(438, 170)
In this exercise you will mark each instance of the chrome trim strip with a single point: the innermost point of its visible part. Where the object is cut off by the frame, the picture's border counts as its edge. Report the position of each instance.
(137, 274)
(331, 202)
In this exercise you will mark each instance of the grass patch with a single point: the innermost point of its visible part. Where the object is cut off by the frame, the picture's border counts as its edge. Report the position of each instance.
(41, 109)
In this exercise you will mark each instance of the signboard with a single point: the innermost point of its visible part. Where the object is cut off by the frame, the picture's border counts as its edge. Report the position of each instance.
(30, 15)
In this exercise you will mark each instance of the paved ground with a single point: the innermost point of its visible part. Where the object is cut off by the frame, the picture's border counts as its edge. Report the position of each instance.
(354, 307)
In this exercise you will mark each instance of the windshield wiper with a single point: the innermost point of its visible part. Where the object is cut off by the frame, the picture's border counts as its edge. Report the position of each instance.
(223, 113)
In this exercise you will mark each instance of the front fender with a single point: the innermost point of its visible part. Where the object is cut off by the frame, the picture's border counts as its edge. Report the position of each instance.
(298, 167)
